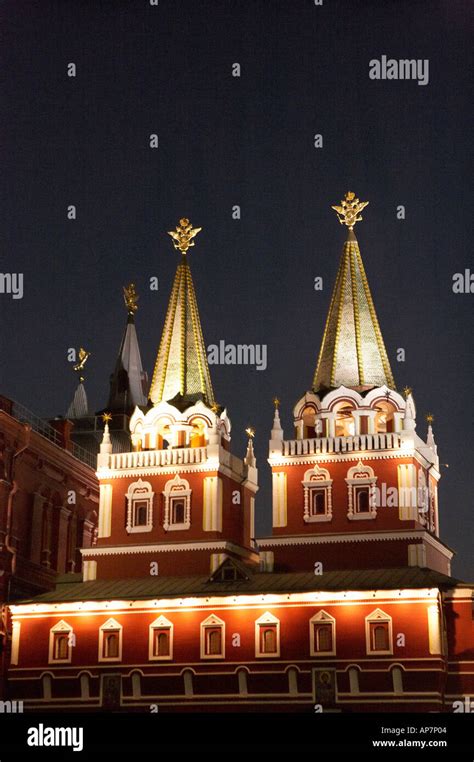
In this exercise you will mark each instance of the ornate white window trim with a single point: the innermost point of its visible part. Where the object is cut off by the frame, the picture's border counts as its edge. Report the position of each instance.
(139, 492)
(177, 488)
(211, 623)
(261, 622)
(61, 628)
(322, 617)
(111, 625)
(162, 623)
(361, 476)
(378, 617)
(317, 478)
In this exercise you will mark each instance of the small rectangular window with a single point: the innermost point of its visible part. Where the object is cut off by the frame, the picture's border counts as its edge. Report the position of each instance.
(178, 510)
(140, 513)
(318, 502)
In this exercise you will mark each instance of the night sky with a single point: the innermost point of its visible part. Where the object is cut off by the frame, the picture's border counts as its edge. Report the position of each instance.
(246, 141)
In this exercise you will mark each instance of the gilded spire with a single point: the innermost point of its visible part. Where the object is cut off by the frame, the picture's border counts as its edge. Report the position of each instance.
(352, 351)
(181, 370)
(128, 382)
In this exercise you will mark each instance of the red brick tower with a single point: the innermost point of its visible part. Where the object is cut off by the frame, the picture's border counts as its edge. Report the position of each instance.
(356, 487)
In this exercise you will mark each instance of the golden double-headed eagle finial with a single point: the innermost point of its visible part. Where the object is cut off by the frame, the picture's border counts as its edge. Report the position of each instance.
(250, 432)
(83, 356)
(130, 298)
(183, 235)
(349, 211)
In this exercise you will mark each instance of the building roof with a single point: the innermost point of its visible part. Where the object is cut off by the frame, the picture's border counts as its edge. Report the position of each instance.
(260, 582)
(78, 407)
(181, 372)
(128, 381)
(352, 351)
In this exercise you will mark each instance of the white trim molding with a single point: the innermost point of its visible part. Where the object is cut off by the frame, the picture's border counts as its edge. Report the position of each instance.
(177, 489)
(267, 619)
(317, 479)
(139, 492)
(60, 628)
(212, 622)
(322, 617)
(162, 623)
(361, 476)
(378, 617)
(111, 625)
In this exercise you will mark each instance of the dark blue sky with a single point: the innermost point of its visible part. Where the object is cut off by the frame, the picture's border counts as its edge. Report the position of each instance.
(246, 141)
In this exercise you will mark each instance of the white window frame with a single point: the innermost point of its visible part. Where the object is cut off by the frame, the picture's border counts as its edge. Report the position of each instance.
(162, 623)
(322, 617)
(317, 478)
(139, 491)
(378, 617)
(266, 619)
(361, 476)
(212, 622)
(59, 628)
(111, 625)
(177, 488)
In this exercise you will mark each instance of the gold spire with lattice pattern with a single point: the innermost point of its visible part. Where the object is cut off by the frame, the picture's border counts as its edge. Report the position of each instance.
(181, 371)
(352, 351)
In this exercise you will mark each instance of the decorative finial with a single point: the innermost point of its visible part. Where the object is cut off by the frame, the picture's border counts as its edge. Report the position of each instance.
(407, 391)
(183, 235)
(349, 211)
(79, 366)
(276, 402)
(250, 432)
(106, 417)
(429, 419)
(130, 298)
(215, 407)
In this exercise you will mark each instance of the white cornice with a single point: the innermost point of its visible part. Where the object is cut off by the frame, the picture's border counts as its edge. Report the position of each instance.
(355, 537)
(165, 547)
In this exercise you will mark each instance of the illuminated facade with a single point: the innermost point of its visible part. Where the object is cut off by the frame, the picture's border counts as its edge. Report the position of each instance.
(348, 606)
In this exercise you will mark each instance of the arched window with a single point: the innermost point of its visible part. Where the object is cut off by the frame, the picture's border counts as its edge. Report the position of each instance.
(61, 641)
(212, 638)
(309, 422)
(384, 418)
(362, 499)
(354, 680)
(362, 492)
(110, 641)
(177, 508)
(397, 678)
(161, 640)
(345, 426)
(322, 634)
(317, 486)
(139, 507)
(267, 636)
(378, 632)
